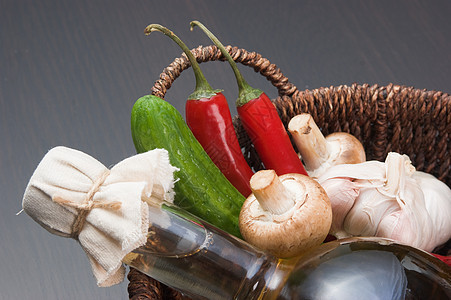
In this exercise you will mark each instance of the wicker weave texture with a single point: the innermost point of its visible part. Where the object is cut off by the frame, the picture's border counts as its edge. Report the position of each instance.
(388, 118)
(384, 118)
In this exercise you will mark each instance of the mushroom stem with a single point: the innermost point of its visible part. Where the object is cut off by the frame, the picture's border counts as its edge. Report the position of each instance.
(269, 191)
(285, 215)
(309, 140)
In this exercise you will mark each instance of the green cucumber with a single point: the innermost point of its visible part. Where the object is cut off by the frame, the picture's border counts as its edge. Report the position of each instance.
(200, 187)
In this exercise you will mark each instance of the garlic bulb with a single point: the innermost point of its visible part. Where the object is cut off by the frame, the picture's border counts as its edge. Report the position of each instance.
(389, 199)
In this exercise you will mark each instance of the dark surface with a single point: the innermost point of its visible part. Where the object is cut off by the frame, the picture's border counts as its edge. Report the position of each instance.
(71, 71)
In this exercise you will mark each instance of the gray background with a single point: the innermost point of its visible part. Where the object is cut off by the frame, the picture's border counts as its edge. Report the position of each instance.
(71, 71)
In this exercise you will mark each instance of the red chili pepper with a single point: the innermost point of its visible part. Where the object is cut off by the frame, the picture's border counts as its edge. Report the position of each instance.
(215, 132)
(445, 259)
(262, 122)
(208, 116)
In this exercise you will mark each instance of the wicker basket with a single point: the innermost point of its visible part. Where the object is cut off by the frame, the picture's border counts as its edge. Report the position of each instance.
(384, 118)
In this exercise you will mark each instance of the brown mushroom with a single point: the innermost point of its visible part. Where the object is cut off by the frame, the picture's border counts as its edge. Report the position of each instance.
(318, 152)
(285, 215)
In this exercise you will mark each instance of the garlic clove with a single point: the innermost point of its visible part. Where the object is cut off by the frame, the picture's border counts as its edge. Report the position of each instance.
(437, 199)
(344, 192)
(367, 212)
(400, 227)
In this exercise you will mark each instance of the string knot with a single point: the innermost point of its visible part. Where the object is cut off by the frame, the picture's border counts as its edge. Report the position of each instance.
(87, 204)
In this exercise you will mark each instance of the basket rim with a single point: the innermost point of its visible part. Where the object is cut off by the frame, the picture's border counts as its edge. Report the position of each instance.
(361, 109)
(391, 115)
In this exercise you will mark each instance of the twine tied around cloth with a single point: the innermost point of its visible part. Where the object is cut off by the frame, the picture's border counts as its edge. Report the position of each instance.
(87, 205)
(73, 195)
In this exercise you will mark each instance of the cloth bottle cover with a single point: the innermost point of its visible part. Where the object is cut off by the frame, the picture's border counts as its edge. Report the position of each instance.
(71, 194)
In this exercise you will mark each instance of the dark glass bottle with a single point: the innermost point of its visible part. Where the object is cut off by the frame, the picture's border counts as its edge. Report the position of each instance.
(204, 262)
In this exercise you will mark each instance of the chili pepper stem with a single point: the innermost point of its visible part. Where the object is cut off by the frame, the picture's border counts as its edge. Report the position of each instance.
(203, 88)
(262, 122)
(269, 191)
(245, 92)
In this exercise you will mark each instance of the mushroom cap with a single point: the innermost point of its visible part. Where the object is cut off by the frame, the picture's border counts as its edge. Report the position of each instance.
(351, 149)
(343, 148)
(303, 226)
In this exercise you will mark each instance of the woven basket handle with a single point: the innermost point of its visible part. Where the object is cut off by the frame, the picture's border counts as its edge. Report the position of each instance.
(212, 53)
(384, 118)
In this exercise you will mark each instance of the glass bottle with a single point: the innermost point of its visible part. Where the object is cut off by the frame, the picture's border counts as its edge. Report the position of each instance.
(204, 262)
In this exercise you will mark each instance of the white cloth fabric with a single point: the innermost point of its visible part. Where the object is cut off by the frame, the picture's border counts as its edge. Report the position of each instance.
(118, 221)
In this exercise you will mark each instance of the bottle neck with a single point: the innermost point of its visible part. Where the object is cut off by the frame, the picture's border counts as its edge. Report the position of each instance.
(201, 261)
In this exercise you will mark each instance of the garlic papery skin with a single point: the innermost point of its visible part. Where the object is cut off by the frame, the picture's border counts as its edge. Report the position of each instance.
(345, 192)
(394, 201)
(320, 153)
(437, 197)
